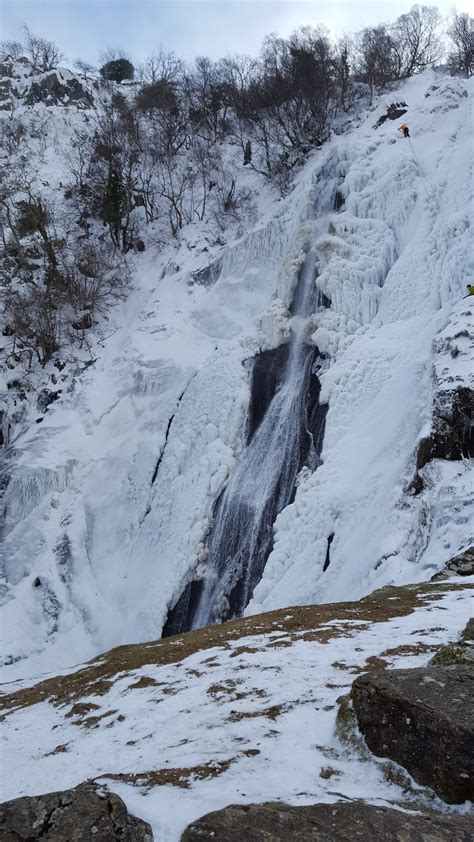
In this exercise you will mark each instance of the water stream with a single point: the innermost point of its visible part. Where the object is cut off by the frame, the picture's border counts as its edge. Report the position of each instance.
(288, 436)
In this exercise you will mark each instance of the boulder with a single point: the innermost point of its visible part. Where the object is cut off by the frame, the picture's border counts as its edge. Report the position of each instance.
(73, 815)
(424, 720)
(340, 822)
(462, 564)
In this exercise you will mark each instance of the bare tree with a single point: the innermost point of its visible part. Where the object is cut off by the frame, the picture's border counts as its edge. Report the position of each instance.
(88, 71)
(207, 99)
(11, 50)
(417, 40)
(96, 279)
(44, 55)
(461, 33)
(376, 59)
(342, 63)
(161, 66)
(35, 321)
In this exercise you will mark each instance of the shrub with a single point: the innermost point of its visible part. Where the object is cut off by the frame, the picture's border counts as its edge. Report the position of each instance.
(160, 94)
(117, 70)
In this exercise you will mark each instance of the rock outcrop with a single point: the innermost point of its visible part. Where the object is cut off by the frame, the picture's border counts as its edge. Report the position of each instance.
(462, 564)
(340, 822)
(452, 434)
(58, 87)
(461, 652)
(424, 720)
(20, 84)
(73, 815)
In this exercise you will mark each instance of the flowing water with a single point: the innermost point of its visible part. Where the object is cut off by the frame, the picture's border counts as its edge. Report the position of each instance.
(263, 482)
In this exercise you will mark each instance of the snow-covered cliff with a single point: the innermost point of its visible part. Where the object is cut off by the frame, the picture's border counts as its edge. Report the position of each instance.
(109, 499)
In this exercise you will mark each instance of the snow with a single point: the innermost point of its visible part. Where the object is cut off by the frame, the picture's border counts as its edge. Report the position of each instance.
(113, 492)
(264, 702)
(395, 282)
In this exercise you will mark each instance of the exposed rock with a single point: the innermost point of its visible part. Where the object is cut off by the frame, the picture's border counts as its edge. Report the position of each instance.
(45, 398)
(462, 564)
(453, 429)
(56, 89)
(73, 815)
(339, 822)
(5, 94)
(6, 67)
(461, 652)
(394, 112)
(467, 636)
(339, 200)
(424, 720)
(208, 275)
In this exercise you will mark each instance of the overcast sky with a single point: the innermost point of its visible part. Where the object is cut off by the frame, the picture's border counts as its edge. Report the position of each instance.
(83, 28)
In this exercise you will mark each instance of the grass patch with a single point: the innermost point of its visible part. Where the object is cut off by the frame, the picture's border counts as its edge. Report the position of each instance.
(308, 623)
(182, 777)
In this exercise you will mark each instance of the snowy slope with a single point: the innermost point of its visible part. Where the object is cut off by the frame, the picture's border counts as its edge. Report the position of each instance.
(112, 494)
(395, 268)
(252, 711)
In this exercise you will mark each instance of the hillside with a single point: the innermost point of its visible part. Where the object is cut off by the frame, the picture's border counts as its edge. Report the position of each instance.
(236, 441)
(110, 489)
(250, 711)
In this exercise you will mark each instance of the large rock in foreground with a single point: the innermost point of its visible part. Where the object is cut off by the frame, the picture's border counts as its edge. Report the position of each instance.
(424, 720)
(326, 823)
(74, 815)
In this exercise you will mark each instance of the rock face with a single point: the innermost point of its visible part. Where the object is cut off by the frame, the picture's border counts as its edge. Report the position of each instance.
(452, 435)
(19, 83)
(394, 112)
(74, 815)
(208, 275)
(462, 564)
(58, 88)
(326, 823)
(424, 720)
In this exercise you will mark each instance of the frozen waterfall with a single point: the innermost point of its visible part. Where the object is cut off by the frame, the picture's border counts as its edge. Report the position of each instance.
(263, 481)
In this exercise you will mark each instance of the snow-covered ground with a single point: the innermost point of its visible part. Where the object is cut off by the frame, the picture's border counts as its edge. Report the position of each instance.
(113, 522)
(241, 713)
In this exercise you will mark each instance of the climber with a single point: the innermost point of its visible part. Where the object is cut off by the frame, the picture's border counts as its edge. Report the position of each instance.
(404, 128)
(470, 290)
(327, 560)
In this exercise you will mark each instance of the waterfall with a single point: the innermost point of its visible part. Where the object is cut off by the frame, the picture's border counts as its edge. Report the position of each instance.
(288, 436)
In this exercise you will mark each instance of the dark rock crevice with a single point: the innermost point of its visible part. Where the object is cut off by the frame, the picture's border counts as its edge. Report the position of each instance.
(160, 457)
(267, 377)
(452, 436)
(168, 428)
